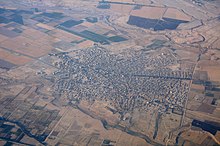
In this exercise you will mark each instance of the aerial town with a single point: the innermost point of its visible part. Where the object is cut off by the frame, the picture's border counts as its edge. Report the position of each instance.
(109, 72)
(123, 81)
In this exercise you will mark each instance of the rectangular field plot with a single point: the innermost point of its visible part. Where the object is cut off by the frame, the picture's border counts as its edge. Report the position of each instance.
(12, 58)
(26, 46)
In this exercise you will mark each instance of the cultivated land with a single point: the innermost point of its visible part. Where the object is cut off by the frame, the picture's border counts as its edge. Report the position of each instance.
(110, 72)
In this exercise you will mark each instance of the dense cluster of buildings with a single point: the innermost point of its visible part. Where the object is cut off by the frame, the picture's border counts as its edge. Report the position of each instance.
(124, 80)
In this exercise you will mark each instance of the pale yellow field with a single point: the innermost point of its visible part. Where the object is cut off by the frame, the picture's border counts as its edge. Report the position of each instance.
(85, 44)
(45, 26)
(176, 14)
(124, 9)
(149, 12)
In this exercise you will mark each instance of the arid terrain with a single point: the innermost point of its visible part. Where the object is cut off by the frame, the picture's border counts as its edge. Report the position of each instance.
(110, 72)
